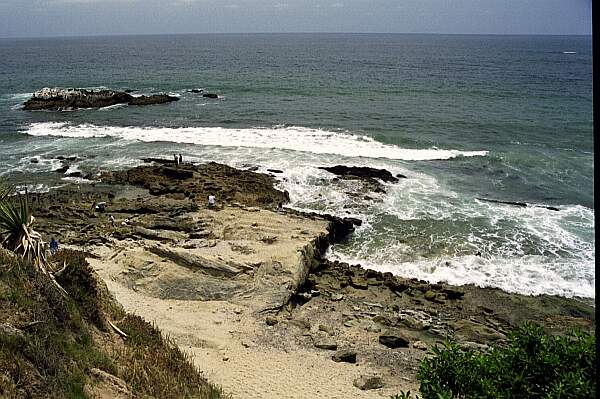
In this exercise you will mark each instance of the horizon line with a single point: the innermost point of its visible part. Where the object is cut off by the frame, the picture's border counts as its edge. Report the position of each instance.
(74, 36)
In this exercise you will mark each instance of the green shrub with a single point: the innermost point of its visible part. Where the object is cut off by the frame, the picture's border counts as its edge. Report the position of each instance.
(532, 365)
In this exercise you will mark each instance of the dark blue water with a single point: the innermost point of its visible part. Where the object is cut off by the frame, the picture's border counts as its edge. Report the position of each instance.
(503, 117)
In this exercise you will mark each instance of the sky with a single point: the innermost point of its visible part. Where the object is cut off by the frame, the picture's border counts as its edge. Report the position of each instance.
(41, 18)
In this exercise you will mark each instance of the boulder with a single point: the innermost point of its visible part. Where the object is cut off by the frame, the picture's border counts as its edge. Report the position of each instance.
(420, 345)
(362, 172)
(467, 330)
(430, 295)
(359, 283)
(368, 382)
(325, 344)
(346, 356)
(393, 341)
(300, 323)
(326, 329)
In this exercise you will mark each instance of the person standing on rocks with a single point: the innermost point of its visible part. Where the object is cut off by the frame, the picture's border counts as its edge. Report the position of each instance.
(211, 201)
(180, 159)
(53, 246)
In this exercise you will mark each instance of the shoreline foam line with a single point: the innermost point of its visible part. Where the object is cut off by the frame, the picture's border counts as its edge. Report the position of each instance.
(291, 138)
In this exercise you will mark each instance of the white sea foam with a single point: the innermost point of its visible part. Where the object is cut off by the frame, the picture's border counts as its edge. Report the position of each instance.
(283, 138)
(530, 275)
(528, 250)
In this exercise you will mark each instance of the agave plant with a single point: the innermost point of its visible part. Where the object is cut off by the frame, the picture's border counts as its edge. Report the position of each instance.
(17, 235)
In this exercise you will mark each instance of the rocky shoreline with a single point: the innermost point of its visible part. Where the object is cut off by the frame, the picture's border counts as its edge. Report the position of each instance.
(241, 282)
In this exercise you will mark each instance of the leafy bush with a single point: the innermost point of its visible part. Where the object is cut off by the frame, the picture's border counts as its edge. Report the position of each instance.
(532, 365)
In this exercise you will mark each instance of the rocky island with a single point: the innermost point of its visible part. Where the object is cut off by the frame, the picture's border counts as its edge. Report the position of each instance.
(59, 99)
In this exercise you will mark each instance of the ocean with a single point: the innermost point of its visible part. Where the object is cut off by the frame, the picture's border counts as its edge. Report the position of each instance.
(462, 117)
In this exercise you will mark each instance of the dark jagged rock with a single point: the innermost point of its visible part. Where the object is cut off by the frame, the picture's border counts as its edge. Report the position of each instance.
(393, 341)
(60, 99)
(275, 170)
(198, 181)
(195, 91)
(362, 172)
(210, 95)
(62, 169)
(160, 161)
(346, 356)
(516, 203)
(153, 99)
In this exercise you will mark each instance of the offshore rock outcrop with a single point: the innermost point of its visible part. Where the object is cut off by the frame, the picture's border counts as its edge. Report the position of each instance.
(57, 99)
(364, 172)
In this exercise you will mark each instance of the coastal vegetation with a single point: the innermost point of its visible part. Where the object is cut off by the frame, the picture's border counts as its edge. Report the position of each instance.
(63, 336)
(532, 365)
(57, 346)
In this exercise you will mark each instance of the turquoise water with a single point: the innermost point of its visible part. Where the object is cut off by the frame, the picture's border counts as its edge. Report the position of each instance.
(503, 117)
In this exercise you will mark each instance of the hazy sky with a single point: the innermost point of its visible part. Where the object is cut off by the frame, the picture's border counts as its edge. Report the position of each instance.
(20, 18)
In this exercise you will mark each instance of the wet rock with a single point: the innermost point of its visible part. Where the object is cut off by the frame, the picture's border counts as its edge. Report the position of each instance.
(153, 99)
(55, 99)
(196, 91)
(368, 382)
(361, 171)
(210, 95)
(62, 169)
(275, 170)
(346, 356)
(393, 341)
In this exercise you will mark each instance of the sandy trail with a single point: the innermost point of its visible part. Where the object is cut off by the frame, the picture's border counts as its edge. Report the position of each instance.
(222, 345)
(224, 337)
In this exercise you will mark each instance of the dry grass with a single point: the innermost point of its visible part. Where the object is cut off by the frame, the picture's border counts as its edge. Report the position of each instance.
(49, 342)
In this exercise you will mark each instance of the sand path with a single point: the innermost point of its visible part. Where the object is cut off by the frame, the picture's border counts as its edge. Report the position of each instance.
(225, 338)
(220, 338)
